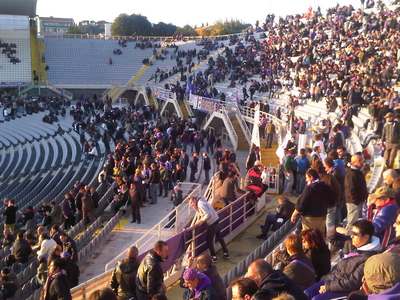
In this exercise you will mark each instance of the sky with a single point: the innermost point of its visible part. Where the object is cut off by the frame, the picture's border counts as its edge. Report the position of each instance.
(180, 12)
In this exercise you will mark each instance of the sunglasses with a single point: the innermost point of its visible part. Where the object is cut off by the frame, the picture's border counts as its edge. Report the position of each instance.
(352, 234)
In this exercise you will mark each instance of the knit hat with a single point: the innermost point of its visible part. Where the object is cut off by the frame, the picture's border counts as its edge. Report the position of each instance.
(190, 274)
(382, 272)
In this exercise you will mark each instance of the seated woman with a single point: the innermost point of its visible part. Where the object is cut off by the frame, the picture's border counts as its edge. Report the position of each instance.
(317, 251)
(296, 264)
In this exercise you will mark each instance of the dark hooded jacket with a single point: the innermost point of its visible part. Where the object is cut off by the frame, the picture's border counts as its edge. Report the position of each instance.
(277, 283)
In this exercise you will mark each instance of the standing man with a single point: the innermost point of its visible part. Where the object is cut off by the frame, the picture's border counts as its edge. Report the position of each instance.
(150, 276)
(10, 214)
(193, 167)
(206, 167)
(391, 139)
(313, 203)
(355, 189)
(209, 216)
(123, 280)
(270, 130)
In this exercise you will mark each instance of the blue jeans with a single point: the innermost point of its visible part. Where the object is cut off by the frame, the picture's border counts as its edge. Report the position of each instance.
(313, 292)
(300, 183)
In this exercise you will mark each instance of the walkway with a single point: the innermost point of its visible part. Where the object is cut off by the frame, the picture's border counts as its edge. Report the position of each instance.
(239, 248)
(126, 233)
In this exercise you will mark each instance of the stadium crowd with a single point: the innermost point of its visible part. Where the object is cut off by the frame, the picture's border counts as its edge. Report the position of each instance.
(344, 244)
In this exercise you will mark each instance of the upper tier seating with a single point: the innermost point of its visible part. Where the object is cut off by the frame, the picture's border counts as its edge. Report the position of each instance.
(15, 60)
(75, 61)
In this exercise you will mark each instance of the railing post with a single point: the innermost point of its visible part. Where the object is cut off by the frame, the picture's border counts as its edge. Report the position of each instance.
(176, 220)
(245, 210)
(230, 218)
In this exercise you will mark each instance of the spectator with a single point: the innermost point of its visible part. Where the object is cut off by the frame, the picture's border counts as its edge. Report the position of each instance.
(395, 243)
(355, 189)
(209, 216)
(198, 284)
(271, 282)
(159, 297)
(205, 266)
(10, 214)
(21, 249)
(206, 167)
(150, 275)
(46, 245)
(134, 196)
(8, 284)
(317, 251)
(295, 264)
(71, 269)
(69, 245)
(391, 139)
(56, 286)
(103, 294)
(243, 289)
(123, 279)
(273, 221)
(382, 212)
(381, 275)
(303, 164)
(313, 203)
(347, 275)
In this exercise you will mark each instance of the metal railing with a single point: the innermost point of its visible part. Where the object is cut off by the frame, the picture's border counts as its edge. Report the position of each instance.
(171, 224)
(231, 130)
(265, 250)
(139, 38)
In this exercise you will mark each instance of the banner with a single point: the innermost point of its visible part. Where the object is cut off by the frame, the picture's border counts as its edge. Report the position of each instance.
(255, 135)
(204, 104)
(280, 152)
(163, 94)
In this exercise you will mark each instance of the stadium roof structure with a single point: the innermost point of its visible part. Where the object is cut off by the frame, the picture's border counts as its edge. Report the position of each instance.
(18, 7)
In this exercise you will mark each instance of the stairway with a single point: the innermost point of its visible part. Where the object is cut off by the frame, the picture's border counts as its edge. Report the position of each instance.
(115, 92)
(243, 144)
(139, 74)
(268, 155)
(184, 110)
(37, 51)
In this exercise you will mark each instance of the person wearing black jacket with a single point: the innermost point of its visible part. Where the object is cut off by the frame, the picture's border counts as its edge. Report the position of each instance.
(355, 189)
(123, 279)
(10, 214)
(271, 283)
(273, 221)
(313, 203)
(150, 275)
(206, 167)
(193, 167)
(21, 249)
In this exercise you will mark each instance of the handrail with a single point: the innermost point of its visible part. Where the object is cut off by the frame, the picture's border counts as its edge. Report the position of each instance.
(177, 219)
(229, 128)
(265, 250)
(139, 38)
